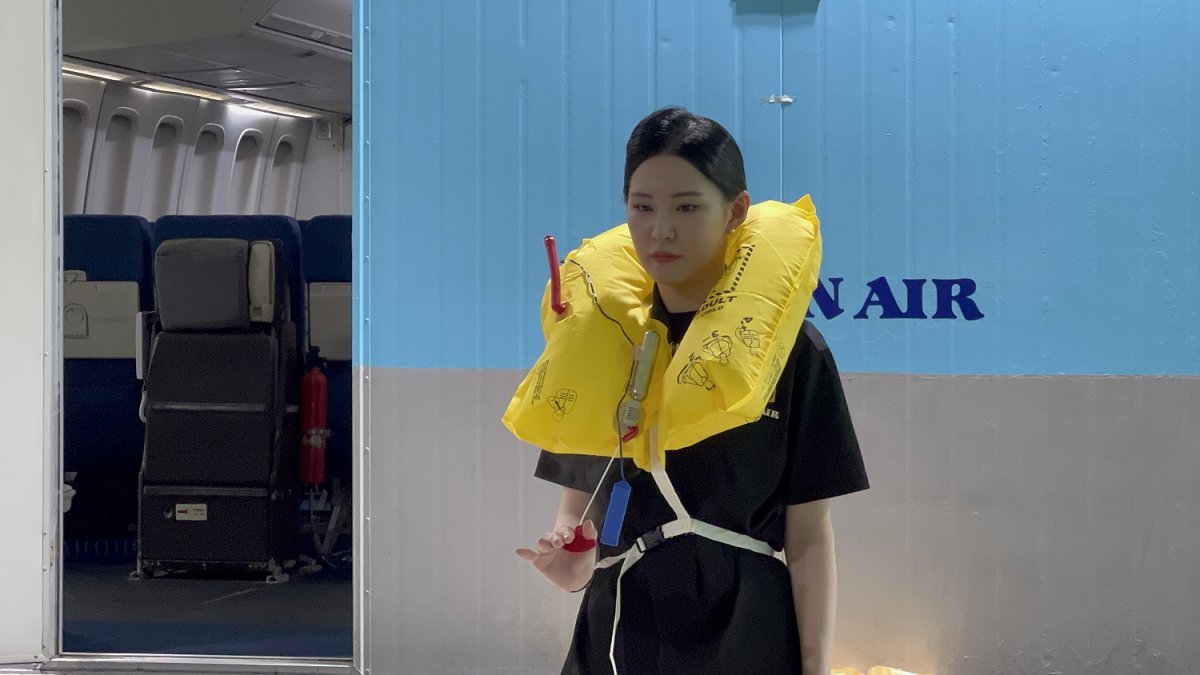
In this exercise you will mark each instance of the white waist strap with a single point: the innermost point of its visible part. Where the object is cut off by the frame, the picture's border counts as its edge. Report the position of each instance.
(677, 528)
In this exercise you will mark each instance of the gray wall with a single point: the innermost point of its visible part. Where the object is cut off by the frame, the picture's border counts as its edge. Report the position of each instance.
(1015, 525)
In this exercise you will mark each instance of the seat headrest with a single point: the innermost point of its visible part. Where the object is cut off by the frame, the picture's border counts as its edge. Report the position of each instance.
(215, 284)
(282, 230)
(328, 249)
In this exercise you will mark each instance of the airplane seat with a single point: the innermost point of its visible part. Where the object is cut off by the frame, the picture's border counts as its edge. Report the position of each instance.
(283, 229)
(107, 281)
(219, 477)
(328, 272)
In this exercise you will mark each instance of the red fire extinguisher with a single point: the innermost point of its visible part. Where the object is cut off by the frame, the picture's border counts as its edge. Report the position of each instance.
(314, 401)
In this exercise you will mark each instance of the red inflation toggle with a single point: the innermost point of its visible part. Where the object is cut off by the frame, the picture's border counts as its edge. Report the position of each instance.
(580, 544)
(556, 302)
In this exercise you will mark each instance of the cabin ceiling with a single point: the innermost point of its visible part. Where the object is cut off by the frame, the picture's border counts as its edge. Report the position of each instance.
(291, 51)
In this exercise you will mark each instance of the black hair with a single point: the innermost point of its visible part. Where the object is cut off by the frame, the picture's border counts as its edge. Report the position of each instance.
(700, 141)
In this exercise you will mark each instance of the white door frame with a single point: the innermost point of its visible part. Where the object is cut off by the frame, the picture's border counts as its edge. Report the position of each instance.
(49, 656)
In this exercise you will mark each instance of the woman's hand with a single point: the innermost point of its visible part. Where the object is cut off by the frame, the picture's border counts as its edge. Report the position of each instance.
(566, 570)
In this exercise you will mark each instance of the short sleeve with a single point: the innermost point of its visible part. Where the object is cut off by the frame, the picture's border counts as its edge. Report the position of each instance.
(824, 458)
(579, 472)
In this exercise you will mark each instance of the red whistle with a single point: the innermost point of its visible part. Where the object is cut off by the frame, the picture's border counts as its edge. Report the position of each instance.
(556, 302)
(580, 543)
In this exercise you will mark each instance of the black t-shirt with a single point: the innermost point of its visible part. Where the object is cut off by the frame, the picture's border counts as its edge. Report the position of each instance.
(802, 449)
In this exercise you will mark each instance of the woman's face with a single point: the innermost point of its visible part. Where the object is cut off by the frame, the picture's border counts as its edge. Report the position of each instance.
(679, 220)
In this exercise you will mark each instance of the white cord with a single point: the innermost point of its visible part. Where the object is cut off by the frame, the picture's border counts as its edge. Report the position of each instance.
(620, 404)
(599, 485)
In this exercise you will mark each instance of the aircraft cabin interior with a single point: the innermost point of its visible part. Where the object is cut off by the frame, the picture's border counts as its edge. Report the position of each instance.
(207, 327)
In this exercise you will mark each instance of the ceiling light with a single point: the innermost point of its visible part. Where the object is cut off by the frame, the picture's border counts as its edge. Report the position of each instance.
(282, 110)
(263, 87)
(88, 71)
(168, 88)
(182, 90)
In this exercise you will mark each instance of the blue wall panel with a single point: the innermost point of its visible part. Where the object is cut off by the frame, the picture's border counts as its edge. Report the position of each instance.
(491, 124)
(1043, 151)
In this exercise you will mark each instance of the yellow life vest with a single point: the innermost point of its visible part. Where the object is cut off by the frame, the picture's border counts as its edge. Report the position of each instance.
(721, 375)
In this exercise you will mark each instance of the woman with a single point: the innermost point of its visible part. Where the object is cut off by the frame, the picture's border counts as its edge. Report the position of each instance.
(691, 604)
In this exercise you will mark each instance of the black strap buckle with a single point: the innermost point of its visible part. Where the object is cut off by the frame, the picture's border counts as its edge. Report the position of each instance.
(651, 539)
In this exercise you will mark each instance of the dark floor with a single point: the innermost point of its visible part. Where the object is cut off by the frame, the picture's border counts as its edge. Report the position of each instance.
(105, 612)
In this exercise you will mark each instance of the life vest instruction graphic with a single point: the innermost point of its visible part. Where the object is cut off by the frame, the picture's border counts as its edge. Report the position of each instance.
(737, 267)
(719, 347)
(541, 381)
(563, 402)
(748, 336)
(727, 286)
(771, 381)
(695, 373)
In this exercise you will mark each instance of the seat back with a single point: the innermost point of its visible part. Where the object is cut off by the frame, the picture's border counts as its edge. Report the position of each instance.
(220, 366)
(107, 281)
(328, 269)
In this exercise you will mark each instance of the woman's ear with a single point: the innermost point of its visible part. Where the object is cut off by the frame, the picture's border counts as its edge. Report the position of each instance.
(738, 211)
